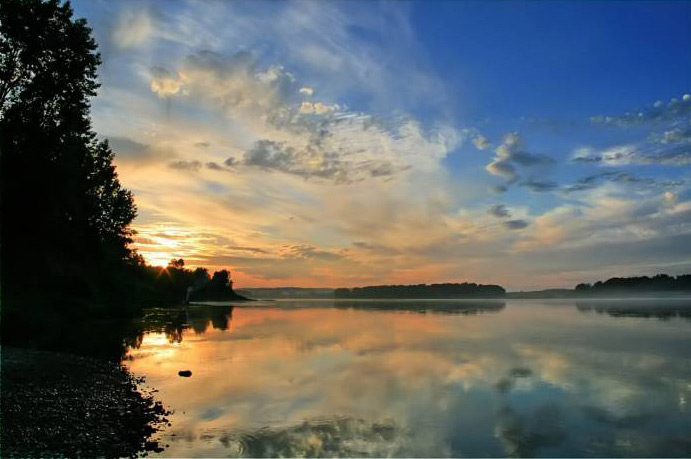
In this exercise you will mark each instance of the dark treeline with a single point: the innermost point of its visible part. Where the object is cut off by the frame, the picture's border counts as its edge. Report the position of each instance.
(66, 235)
(428, 291)
(661, 283)
(176, 284)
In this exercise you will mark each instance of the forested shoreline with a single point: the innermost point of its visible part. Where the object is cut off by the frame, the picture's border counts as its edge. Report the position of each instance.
(66, 240)
(641, 285)
(660, 284)
(464, 290)
(66, 251)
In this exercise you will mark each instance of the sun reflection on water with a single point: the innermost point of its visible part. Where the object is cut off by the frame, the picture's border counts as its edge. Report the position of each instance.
(528, 379)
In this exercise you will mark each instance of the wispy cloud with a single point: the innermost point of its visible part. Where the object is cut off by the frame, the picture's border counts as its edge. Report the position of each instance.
(499, 210)
(511, 156)
(636, 154)
(134, 27)
(516, 224)
(659, 112)
(312, 143)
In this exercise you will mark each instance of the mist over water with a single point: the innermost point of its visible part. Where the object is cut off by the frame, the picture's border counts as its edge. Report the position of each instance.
(415, 378)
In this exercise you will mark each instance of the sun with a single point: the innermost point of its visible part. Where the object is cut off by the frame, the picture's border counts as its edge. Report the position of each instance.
(161, 243)
(159, 259)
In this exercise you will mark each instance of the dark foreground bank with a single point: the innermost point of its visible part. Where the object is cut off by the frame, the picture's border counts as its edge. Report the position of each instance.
(57, 404)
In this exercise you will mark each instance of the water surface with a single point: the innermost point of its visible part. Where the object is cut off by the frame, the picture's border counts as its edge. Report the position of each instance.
(412, 378)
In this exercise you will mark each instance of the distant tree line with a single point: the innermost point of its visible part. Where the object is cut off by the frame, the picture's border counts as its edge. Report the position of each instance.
(639, 285)
(427, 291)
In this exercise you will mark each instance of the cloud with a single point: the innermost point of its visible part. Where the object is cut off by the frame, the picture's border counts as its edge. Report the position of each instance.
(317, 108)
(659, 112)
(516, 224)
(133, 28)
(309, 251)
(499, 210)
(608, 215)
(643, 154)
(585, 155)
(214, 166)
(504, 169)
(343, 153)
(182, 165)
(131, 153)
(670, 197)
(164, 82)
(308, 162)
(234, 83)
(248, 249)
(344, 50)
(335, 144)
(481, 142)
(265, 173)
(668, 140)
(307, 108)
(540, 186)
(511, 155)
(376, 248)
(675, 135)
(126, 148)
(592, 181)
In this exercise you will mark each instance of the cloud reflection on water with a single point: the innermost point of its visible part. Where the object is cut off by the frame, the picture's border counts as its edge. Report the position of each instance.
(532, 378)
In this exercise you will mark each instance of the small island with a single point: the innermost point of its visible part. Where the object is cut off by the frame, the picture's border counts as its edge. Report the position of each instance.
(198, 285)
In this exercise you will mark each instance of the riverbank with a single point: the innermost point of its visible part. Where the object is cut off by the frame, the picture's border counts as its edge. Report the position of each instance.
(56, 404)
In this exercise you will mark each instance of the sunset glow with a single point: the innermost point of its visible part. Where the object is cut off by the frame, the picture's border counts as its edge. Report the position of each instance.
(283, 366)
(331, 228)
(324, 144)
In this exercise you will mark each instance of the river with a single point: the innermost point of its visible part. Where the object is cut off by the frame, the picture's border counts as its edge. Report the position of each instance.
(422, 378)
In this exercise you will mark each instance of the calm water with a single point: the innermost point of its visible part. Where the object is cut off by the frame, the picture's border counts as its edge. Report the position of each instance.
(408, 378)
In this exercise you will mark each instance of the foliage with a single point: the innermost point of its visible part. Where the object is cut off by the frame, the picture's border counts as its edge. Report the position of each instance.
(66, 218)
(661, 283)
(464, 290)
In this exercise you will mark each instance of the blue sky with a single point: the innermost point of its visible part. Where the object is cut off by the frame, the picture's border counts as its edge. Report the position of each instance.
(529, 144)
(560, 60)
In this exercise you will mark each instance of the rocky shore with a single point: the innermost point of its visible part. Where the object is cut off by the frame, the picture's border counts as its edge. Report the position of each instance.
(62, 405)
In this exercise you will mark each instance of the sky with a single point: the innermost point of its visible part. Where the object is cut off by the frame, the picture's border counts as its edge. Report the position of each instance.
(335, 144)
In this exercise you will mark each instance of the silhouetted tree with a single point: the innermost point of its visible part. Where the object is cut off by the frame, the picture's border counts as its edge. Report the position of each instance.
(176, 264)
(583, 287)
(220, 279)
(65, 216)
(219, 288)
(201, 278)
